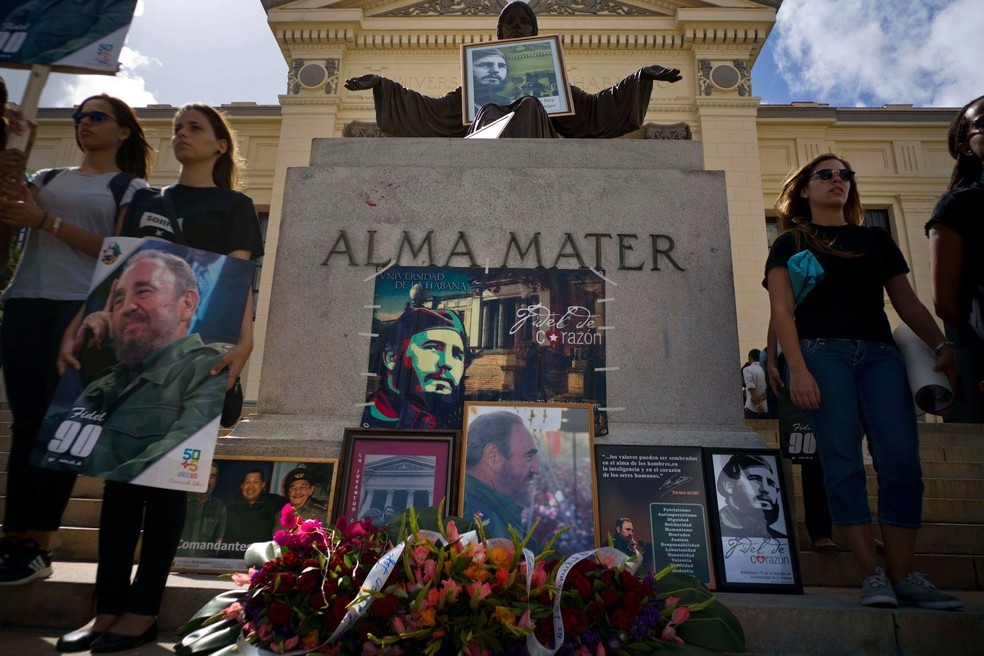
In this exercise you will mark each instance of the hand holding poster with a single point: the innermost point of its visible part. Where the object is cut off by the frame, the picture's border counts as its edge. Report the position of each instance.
(144, 407)
(69, 35)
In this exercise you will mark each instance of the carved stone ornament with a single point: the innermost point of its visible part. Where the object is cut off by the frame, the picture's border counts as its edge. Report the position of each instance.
(745, 85)
(704, 87)
(362, 129)
(540, 7)
(318, 74)
(670, 131)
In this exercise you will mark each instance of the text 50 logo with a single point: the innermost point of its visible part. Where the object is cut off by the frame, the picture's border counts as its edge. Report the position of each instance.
(190, 458)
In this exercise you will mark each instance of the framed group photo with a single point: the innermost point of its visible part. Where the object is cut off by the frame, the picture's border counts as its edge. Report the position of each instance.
(386, 472)
(504, 71)
(243, 505)
(752, 525)
(531, 462)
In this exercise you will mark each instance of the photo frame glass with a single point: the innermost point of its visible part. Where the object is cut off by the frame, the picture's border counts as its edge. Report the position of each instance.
(501, 72)
(531, 462)
(386, 472)
(753, 529)
(245, 499)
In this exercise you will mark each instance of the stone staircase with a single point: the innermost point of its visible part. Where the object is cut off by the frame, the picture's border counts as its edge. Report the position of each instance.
(825, 620)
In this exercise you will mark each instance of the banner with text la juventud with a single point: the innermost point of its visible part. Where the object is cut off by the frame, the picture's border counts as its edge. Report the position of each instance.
(445, 335)
(71, 36)
(144, 407)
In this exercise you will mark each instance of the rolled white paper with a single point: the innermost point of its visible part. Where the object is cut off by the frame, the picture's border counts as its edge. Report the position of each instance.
(930, 389)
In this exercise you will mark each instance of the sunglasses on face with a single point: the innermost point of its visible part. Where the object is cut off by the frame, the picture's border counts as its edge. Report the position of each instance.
(976, 126)
(827, 174)
(95, 117)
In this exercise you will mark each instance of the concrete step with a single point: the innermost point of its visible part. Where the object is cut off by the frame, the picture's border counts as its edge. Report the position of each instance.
(935, 488)
(839, 570)
(946, 511)
(822, 622)
(86, 487)
(950, 539)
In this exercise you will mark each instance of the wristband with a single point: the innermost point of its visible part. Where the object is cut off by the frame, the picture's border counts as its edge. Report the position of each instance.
(56, 226)
(942, 345)
(40, 225)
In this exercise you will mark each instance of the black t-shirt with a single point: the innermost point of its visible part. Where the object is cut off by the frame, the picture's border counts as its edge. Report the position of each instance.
(849, 302)
(962, 210)
(211, 219)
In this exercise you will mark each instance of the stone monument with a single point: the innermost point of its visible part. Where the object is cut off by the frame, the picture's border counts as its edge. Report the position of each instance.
(642, 214)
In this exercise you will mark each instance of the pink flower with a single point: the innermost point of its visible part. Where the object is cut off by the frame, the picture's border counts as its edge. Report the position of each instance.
(526, 622)
(478, 554)
(288, 518)
(233, 610)
(398, 625)
(472, 649)
(430, 570)
(680, 615)
(355, 529)
(671, 602)
(452, 531)
(608, 561)
(601, 650)
(450, 590)
(478, 590)
(369, 649)
(420, 554)
(242, 580)
(290, 643)
(433, 597)
(669, 634)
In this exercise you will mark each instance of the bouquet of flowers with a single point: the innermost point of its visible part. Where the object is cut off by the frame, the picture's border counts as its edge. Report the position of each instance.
(343, 590)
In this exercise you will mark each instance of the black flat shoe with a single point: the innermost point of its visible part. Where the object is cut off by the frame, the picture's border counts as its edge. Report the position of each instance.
(79, 640)
(108, 642)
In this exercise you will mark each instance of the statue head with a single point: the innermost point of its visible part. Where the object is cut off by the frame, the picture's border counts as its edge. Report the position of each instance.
(516, 20)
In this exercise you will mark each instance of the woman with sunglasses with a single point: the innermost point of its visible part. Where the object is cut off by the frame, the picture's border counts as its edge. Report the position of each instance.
(847, 374)
(956, 241)
(69, 212)
(213, 217)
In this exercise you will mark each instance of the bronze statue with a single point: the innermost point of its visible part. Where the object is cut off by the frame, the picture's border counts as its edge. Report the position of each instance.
(402, 112)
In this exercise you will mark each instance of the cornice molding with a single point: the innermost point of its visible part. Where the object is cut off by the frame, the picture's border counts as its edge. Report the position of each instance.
(540, 7)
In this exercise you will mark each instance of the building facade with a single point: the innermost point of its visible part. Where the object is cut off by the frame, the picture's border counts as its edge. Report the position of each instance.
(899, 152)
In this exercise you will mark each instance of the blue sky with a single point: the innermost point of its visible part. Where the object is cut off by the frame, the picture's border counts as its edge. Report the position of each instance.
(846, 53)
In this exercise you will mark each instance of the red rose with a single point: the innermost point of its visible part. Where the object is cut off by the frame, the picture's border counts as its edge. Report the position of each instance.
(595, 609)
(633, 602)
(384, 606)
(311, 562)
(284, 582)
(317, 600)
(584, 588)
(278, 613)
(585, 565)
(290, 559)
(544, 631)
(607, 577)
(610, 596)
(575, 621)
(307, 582)
(630, 582)
(330, 587)
(622, 618)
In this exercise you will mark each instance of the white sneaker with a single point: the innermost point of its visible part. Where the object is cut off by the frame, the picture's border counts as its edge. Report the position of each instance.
(876, 590)
(914, 590)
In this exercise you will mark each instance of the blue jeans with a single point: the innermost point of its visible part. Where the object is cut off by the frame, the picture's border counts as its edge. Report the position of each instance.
(863, 384)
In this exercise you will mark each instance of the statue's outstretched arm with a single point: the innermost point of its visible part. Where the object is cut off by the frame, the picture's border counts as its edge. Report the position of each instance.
(661, 74)
(363, 82)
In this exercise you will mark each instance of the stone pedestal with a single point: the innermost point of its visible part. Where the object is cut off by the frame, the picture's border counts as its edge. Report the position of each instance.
(643, 213)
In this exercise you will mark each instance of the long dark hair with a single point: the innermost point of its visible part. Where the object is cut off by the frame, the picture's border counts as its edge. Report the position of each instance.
(794, 210)
(134, 154)
(226, 172)
(968, 168)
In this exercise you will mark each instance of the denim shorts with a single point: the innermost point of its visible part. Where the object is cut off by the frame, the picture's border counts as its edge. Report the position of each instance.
(863, 386)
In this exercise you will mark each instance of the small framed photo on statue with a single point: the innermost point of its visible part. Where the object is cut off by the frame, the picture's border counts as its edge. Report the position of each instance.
(244, 503)
(528, 466)
(501, 72)
(386, 472)
(752, 529)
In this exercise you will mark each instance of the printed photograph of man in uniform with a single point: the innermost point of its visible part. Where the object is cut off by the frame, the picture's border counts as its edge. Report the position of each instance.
(153, 392)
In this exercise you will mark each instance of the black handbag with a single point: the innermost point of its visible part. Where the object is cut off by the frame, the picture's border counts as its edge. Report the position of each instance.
(232, 409)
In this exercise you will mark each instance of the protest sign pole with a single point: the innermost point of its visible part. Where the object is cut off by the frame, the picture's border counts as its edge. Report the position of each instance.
(29, 103)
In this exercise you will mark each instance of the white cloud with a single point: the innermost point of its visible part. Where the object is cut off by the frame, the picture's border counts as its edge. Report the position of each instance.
(128, 84)
(873, 52)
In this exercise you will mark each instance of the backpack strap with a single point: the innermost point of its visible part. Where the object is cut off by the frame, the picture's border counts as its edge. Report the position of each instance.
(50, 175)
(118, 186)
